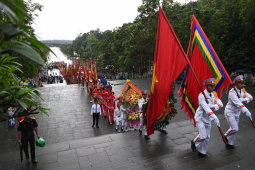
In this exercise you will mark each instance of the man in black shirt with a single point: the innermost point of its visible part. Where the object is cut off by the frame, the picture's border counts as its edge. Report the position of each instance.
(26, 134)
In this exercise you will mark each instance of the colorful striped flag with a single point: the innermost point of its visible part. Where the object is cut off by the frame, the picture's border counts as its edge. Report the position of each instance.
(206, 64)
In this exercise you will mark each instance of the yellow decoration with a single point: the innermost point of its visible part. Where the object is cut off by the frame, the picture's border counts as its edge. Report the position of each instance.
(164, 112)
(154, 79)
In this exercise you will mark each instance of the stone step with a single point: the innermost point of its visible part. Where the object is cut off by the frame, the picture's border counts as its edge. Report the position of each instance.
(169, 160)
(150, 161)
(217, 164)
(127, 166)
(242, 164)
(137, 167)
(143, 162)
(189, 162)
(153, 156)
(251, 168)
(112, 165)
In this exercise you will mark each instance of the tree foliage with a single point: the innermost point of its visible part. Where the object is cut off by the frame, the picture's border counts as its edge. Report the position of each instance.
(229, 25)
(18, 43)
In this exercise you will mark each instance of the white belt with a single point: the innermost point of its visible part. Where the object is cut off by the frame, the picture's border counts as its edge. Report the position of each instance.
(201, 108)
(229, 102)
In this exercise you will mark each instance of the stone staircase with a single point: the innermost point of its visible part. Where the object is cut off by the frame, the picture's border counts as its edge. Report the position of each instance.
(72, 143)
(126, 151)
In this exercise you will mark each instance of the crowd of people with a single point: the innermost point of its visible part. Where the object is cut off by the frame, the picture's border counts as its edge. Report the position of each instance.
(126, 75)
(54, 65)
(50, 79)
(105, 103)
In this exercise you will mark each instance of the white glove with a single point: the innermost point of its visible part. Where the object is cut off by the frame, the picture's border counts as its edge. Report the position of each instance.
(216, 107)
(242, 100)
(217, 122)
(247, 100)
(248, 114)
(210, 106)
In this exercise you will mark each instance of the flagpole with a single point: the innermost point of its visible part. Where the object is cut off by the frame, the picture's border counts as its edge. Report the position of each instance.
(187, 58)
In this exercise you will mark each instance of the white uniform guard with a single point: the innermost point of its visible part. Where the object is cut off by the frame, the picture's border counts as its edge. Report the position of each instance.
(203, 117)
(140, 104)
(124, 122)
(117, 117)
(233, 109)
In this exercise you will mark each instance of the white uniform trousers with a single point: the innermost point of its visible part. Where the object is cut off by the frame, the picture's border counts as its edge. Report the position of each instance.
(233, 127)
(143, 127)
(125, 124)
(203, 136)
(118, 123)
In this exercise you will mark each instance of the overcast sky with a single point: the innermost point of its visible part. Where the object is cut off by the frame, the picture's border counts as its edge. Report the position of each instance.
(66, 19)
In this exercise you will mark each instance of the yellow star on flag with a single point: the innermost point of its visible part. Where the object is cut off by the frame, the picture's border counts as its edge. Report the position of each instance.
(154, 79)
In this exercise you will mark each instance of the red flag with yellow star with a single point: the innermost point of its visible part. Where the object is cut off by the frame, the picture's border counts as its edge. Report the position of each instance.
(169, 62)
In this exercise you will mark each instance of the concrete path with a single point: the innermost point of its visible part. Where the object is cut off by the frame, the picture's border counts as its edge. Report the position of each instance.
(73, 144)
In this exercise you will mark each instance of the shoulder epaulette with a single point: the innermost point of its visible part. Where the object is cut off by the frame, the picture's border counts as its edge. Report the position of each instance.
(233, 89)
(32, 118)
(21, 121)
(201, 93)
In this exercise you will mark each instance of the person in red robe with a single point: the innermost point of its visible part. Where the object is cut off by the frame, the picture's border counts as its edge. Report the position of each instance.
(104, 105)
(105, 89)
(109, 90)
(90, 89)
(112, 95)
(111, 107)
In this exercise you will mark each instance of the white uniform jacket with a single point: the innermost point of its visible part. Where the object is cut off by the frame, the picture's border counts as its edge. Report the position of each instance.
(235, 106)
(123, 113)
(204, 112)
(140, 104)
(117, 114)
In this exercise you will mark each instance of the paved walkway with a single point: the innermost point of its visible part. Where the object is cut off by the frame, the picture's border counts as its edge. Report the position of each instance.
(73, 144)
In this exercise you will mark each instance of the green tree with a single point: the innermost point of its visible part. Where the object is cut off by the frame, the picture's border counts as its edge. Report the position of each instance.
(17, 41)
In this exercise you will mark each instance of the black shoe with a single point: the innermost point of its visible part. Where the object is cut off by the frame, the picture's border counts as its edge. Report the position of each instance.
(163, 131)
(97, 126)
(193, 146)
(140, 131)
(27, 158)
(146, 137)
(93, 125)
(34, 160)
(116, 130)
(230, 146)
(226, 139)
(202, 155)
